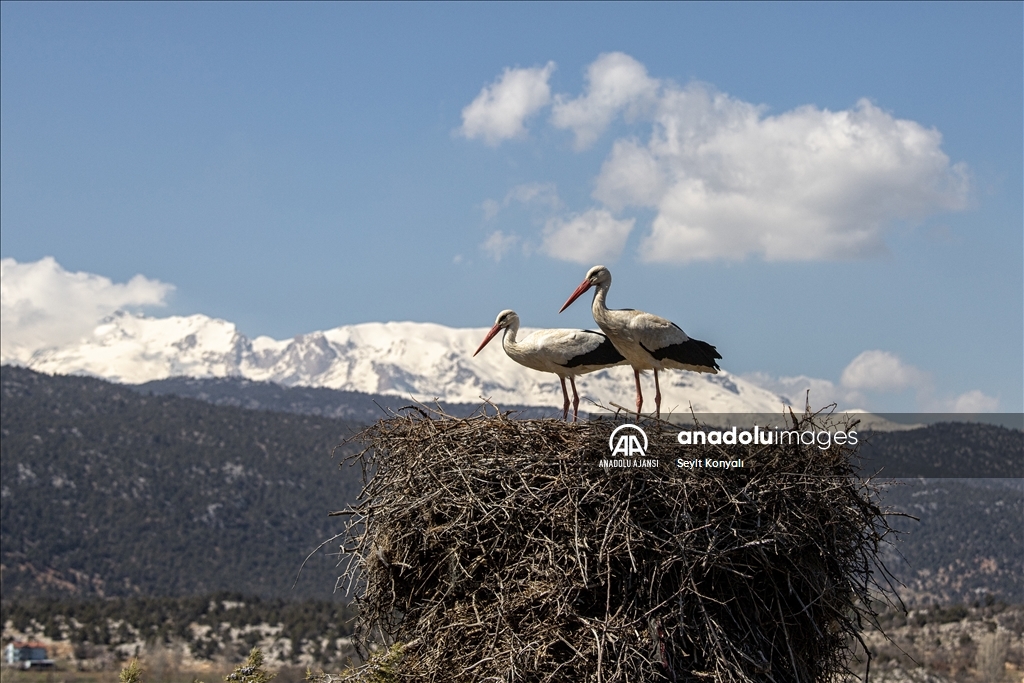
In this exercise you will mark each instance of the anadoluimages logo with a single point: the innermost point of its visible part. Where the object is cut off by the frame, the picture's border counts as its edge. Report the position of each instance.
(628, 443)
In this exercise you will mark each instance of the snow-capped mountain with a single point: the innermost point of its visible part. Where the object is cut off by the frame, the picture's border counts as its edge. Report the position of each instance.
(421, 360)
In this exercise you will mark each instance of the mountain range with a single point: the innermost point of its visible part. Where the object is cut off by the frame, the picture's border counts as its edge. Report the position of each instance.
(423, 361)
(107, 491)
(111, 491)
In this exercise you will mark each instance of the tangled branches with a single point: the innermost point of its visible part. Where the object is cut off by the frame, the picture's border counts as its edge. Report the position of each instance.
(496, 549)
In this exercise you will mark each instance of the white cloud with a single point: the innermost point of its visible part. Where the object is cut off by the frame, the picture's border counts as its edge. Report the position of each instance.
(586, 238)
(726, 179)
(498, 244)
(881, 371)
(44, 306)
(867, 378)
(630, 175)
(974, 401)
(615, 82)
(500, 109)
(729, 182)
(884, 372)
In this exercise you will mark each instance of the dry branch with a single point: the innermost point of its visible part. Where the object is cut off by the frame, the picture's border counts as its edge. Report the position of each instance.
(493, 549)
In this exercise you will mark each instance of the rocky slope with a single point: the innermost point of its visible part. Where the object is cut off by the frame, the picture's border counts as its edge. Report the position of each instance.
(420, 360)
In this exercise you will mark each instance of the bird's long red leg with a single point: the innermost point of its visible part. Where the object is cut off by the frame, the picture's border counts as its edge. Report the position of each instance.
(575, 399)
(639, 394)
(657, 396)
(565, 401)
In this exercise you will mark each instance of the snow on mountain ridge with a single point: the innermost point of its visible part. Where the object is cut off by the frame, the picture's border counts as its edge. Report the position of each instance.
(422, 360)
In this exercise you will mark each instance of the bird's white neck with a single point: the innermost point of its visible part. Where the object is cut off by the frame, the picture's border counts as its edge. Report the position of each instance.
(599, 308)
(508, 339)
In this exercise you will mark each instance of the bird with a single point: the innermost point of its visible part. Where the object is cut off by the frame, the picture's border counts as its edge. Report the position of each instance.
(648, 342)
(566, 353)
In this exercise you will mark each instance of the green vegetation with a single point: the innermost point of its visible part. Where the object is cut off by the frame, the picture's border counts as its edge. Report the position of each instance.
(251, 670)
(384, 667)
(946, 643)
(131, 673)
(107, 492)
(967, 542)
(116, 621)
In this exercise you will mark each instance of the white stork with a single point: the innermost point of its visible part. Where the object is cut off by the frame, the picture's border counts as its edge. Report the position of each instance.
(566, 353)
(647, 341)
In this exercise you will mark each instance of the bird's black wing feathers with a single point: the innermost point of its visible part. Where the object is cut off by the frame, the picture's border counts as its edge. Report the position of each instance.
(690, 352)
(604, 354)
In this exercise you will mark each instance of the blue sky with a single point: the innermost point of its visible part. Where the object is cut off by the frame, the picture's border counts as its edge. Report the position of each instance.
(296, 167)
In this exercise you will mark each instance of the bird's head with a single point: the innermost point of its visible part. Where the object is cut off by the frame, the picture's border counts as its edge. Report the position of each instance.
(596, 276)
(506, 319)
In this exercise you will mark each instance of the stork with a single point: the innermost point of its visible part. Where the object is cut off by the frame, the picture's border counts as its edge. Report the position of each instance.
(645, 340)
(566, 353)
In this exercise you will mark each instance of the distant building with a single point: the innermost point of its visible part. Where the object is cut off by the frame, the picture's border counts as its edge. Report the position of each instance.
(27, 656)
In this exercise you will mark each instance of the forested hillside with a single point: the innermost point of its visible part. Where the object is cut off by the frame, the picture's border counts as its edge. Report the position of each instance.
(966, 543)
(945, 450)
(108, 492)
(962, 482)
(349, 405)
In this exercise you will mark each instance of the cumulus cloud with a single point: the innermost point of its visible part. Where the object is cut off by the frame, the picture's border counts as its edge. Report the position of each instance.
(881, 371)
(44, 306)
(630, 176)
(500, 109)
(870, 376)
(974, 401)
(728, 180)
(586, 238)
(498, 244)
(615, 83)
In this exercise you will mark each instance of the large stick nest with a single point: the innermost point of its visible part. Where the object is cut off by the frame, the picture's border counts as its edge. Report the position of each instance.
(496, 549)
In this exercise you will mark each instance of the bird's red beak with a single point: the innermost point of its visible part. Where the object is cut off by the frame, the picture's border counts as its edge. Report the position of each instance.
(584, 286)
(489, 337)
